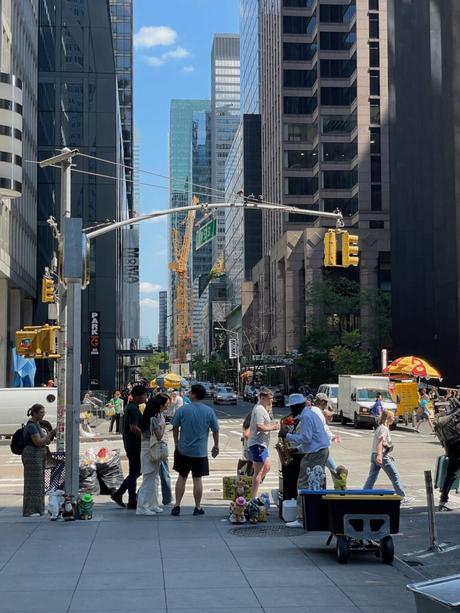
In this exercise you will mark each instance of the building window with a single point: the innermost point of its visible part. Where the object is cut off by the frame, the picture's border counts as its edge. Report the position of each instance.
(376, 169)
(373, 5)
(300, 186)
(332, 13)
(299, 52)
(375, 112)
(299, 105)
(375, 140)
(298, 160)
(300, 132)
(341, 69)
(374, 55)
(373, 25)
(338, 96)
(374, 83)
(376, 224)
(376, 197)
(337, 41)
(340, 179)
(308, 4)
(338, 124)
(293, 24)
(347, 206)
(300, 78)
(339, 152)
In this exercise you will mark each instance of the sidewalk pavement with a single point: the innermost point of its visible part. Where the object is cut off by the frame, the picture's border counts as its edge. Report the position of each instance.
(121, 562)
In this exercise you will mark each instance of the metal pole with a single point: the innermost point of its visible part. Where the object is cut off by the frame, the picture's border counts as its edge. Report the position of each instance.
(432, 528)
(73, 388)
(66, 206)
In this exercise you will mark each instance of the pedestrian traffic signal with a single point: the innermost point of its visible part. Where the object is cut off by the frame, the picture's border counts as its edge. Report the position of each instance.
(39, 342)
(48, 290)
(330, 248)
(350, 249)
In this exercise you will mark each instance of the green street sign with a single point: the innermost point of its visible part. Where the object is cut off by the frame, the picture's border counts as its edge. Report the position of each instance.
(206, 233)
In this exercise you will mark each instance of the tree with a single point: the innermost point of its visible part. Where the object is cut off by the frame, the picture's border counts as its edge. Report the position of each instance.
(150, 367)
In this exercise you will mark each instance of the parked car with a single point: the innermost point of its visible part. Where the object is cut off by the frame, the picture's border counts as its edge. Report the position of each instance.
(209, 387)
(332, 392)
(225, 395)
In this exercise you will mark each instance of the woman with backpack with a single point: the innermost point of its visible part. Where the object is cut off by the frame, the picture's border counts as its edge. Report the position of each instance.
(33, 456)
(153, 426)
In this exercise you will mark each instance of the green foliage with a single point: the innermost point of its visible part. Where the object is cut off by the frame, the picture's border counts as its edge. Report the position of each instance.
(151, 365)
(214, 370)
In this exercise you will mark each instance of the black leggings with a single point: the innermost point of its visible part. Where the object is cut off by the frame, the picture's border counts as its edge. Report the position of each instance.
(453, 469)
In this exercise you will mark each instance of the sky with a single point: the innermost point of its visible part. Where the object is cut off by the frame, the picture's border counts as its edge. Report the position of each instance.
(172, 56)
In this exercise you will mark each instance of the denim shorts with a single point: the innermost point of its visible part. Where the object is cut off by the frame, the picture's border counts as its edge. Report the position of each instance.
(258, 453)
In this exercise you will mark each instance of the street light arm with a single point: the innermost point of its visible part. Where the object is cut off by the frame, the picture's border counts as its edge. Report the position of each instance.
(91, 234)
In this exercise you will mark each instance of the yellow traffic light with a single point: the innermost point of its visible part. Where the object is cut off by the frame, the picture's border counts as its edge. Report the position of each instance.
(48, 290)
(37, 342)
(330, 248)
(350, 249)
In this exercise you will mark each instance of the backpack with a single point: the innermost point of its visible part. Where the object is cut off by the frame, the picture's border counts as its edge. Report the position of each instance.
(445, 427)
(17, 441)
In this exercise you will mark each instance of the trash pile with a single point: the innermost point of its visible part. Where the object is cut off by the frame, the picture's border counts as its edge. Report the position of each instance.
(100, 471)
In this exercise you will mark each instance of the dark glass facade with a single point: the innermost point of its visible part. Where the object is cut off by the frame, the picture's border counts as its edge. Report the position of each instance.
(78, 107)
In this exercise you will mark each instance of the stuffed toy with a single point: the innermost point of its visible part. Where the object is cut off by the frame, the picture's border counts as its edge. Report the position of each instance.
(340, 478)
(238, 510)
(253, 511)
(55, 501)
(68, 509)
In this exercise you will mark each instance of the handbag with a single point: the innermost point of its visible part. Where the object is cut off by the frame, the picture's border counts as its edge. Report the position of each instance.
(158, 450)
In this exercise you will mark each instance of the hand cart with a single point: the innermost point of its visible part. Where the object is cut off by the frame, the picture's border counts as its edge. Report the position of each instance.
(360, 520)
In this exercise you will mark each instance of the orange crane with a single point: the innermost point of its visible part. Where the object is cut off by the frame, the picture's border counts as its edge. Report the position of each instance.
(180, 267)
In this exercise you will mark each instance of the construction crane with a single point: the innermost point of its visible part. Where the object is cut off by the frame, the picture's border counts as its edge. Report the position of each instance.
(179, 265)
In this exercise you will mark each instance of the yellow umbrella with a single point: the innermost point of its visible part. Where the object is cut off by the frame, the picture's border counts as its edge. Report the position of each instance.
(172, 381)
(413, 366)
(153, 383)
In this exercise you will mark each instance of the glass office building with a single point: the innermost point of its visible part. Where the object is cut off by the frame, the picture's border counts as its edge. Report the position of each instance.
(225, 101)
(78, 107)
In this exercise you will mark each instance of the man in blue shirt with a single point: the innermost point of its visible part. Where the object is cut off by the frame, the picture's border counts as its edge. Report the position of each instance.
(191, 425)
(312, 440)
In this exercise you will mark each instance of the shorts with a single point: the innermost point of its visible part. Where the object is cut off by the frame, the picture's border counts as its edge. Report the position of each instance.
(258, 453)
(422, 416)
(183, 464)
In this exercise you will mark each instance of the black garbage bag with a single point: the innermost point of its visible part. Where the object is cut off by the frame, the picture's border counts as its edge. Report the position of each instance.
(110, 474)
(89, 483)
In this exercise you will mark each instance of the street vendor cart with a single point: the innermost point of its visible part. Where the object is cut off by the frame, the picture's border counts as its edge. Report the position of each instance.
(360, 520)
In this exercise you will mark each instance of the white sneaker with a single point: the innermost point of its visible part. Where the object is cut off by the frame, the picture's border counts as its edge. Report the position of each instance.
(144, 512)
(156, 509)
(295, 524)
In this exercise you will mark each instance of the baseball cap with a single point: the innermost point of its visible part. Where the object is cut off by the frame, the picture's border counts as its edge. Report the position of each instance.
(295, 399)
(322, 396)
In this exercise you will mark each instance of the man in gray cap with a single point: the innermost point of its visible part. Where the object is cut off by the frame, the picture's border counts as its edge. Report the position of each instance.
(312, 440)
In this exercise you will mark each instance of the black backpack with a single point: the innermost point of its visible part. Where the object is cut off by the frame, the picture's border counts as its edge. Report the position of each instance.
(17, 442)
(447, 427)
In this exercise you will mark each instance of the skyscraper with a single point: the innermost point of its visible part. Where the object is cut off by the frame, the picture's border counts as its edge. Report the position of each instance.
(181, 137)
(18, 217)
(163, 319)
(323, 101)
(78, 107)
(424, 125)
(225, 104)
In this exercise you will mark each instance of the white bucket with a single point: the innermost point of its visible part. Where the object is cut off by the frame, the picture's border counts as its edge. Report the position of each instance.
(289, 510)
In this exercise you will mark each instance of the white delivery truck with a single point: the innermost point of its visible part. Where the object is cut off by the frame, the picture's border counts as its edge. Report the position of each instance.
(357, 394)
(15, 402)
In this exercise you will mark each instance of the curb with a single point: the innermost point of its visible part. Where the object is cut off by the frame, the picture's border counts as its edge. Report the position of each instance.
(408, 571)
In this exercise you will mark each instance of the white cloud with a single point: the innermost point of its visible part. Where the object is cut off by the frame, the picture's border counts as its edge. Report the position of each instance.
(188, 69)
(145, 287)
(179, 53)
(149, 303)
(154, 36)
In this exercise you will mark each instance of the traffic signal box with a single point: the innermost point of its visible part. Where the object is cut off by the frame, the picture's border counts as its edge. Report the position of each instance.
(48, 291)
(39, 342)
(350, 249)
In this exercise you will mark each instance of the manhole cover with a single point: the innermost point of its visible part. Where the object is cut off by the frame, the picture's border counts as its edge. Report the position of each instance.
(266, 530)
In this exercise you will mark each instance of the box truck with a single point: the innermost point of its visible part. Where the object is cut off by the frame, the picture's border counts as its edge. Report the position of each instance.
(15, 402)
(357, 394)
